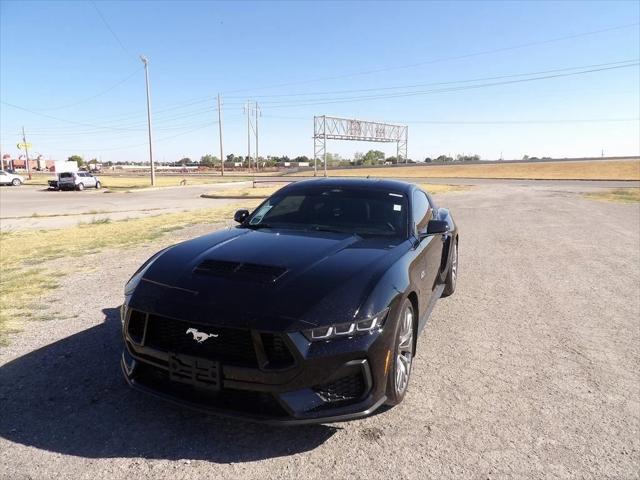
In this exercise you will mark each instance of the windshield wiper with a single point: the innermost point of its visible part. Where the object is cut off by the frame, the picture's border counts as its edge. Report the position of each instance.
(323, 228)
(257, 226)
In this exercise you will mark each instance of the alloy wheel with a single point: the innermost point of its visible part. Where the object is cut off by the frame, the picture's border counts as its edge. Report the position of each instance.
(405, 351)
(454, 264)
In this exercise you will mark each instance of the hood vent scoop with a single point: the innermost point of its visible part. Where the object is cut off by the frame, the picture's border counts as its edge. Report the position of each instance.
(249, 272)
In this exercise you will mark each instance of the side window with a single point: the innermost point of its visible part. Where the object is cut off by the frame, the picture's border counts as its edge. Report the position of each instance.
(421, 210)
(289, 204)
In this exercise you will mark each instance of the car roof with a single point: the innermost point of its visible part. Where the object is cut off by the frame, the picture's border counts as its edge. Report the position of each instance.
(368, 183)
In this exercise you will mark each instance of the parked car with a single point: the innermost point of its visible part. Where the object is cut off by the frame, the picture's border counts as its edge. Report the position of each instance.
(308, 311)
(7, 178)
(77, 181)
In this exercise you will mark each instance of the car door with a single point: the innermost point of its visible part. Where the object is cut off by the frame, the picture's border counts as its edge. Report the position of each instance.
(91, 180)
(429, 247)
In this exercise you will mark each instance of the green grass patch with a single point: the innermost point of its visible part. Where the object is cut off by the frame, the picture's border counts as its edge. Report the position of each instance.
(619, 195)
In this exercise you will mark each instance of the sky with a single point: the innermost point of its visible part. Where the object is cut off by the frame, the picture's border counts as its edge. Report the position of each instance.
(497, 79)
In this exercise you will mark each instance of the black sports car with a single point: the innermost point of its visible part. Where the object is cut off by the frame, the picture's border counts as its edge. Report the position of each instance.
(308, 311)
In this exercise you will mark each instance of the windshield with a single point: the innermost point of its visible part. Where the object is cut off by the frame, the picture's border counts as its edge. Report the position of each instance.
(349, 210)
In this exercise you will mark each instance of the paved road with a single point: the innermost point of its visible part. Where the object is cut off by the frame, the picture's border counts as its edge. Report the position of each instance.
(531, 370)
(35, 207)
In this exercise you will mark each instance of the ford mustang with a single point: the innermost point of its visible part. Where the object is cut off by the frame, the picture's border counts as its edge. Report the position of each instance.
(308, 310)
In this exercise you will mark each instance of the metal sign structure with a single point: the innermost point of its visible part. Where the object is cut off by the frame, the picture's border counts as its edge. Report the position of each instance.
(336, 128)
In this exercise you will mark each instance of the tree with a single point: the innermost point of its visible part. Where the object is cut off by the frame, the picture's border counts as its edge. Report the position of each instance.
(526, 157)
(209, 160)
(393, 160)
(428, 160)
(231, 157)
(372, 157)
(443, 159)
(467, 158)
(184, 161)
(301, 158)
(76, 158)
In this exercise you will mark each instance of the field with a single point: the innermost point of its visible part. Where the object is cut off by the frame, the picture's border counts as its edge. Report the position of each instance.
(569, 170)
(132, 182)
(264, 192)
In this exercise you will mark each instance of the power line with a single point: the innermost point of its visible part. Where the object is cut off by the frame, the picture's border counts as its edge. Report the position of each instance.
(486, 122)
(320, 101)
(450, 82)
(107, 90)
(309, 102)
(162, 139)
(104, 20)
(444, 59)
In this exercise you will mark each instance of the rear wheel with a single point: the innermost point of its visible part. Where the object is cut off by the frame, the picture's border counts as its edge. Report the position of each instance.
(452, 276)
(403, 349)
(80, 187)
(16, 182)
(98, 184)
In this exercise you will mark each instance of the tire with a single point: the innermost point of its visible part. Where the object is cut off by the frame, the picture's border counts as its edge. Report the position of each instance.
(80, 187)
(403, 350)
(16, 182)
(452, 275)
(98, 185)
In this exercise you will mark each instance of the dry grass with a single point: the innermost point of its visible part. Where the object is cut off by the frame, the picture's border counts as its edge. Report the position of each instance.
(619, 195)
(587, 170)
(132, 182)
(23, 253)
(264, 192)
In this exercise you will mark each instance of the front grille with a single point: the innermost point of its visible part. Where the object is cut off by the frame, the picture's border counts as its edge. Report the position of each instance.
(136, 325)
(249, 272)
(276, 350)
(342, 390)
(232, 345)
(254, 403)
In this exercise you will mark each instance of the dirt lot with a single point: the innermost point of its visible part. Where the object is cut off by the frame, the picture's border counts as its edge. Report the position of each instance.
(531, 370)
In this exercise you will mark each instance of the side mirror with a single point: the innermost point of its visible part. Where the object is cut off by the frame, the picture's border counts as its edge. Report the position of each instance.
(241, 215)
(436, 226)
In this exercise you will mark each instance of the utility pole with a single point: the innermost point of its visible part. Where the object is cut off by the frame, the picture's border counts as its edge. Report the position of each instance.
(146, 78)
(324, 119)
(248, 134)
(220, 131)
(26, 152)
(257, 156)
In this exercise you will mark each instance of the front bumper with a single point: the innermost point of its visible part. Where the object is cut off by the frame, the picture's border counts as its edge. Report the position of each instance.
(331, 381)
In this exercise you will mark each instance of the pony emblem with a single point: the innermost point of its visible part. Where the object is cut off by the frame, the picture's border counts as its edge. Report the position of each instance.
(200, 337)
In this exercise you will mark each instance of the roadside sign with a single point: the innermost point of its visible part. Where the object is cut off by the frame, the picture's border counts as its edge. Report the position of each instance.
(23, 146)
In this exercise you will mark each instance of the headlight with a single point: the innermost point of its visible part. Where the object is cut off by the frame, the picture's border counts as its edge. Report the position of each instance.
(359, 327)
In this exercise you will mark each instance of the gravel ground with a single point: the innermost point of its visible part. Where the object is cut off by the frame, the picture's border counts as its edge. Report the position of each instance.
(531, 370)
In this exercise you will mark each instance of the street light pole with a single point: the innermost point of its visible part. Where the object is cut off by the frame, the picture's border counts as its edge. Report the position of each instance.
(26, 152)
(220, 131)
(146, 78)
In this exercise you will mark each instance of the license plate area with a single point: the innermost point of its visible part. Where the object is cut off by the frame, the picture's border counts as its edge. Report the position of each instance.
(195, 371)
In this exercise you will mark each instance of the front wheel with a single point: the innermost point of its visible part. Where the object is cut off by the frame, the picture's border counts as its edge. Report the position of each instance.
(452, 275)
(98, 185)
(403, 349)
(16, 182)
(80, 187)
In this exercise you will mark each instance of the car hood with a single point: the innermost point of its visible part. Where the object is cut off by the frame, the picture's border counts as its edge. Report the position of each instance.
(265, 279)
